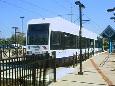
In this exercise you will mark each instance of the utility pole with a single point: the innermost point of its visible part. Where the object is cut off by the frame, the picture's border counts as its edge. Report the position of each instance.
(80, 34)
(71, 14)
(16, 44)
(22, 17)
(15, 28)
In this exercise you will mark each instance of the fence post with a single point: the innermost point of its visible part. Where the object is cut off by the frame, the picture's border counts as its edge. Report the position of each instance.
(76, 59)
(40, 75)
(88, 53)
(33, 71)
(33, 76)
(17, 52)
(9, 53)
(54, 57)
(24, 51)
(73, 60)
(93, 51)
(85, 55)
(45, 66)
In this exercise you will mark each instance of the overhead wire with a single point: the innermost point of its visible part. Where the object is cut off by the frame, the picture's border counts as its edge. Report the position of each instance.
(60, 5)
(32, 4)
(37, 6)
(94, 22)
(19, 7)
(69, 8)
(4, 32)
(29, 10)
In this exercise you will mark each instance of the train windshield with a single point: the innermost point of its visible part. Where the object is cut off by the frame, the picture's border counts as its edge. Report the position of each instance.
(37, 34)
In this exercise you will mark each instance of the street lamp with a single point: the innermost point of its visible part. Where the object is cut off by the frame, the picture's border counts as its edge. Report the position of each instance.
(84, 21)
(112, 18)
(22, 17)
(110, 10)
(80, 5)
(80, 34)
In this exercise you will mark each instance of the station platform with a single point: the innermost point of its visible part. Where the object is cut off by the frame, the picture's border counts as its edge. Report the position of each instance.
(98, 70)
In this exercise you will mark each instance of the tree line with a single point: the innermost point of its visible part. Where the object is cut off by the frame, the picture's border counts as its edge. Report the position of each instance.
(20, 38)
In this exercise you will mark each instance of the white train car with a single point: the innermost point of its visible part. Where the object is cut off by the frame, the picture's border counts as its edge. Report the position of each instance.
(57, 34)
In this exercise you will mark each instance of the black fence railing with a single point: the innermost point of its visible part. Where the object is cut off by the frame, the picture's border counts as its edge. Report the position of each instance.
(73, 60)
(35, 70)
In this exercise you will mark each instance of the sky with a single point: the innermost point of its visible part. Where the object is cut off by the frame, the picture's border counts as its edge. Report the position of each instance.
(95, 11)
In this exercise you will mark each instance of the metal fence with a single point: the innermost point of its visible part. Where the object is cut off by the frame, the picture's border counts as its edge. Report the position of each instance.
(35, 70)
(73, 60)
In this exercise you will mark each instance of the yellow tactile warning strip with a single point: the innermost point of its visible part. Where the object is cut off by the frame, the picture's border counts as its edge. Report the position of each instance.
(110, 83)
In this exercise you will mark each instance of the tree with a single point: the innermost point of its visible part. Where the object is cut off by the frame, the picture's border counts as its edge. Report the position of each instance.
(20, 39)
(3, 41)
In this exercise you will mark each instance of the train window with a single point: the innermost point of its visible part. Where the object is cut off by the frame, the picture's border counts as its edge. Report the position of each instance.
(37, 34)
(83, 42)
(96, 43)
(88, 42)
(77, 42)
(62, 40)
(91, 43)
(67, 40)
(73, 41)
(55, 40)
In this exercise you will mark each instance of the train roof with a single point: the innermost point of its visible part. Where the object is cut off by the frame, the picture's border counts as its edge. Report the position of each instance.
(60, 24)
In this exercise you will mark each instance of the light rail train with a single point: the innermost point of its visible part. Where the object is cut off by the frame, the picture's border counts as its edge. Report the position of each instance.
(57, 34)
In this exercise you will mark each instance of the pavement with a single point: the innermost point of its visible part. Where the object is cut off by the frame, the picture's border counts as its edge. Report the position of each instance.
(99, 70)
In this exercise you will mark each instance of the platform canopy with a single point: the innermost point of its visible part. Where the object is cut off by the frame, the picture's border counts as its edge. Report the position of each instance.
(109, 32)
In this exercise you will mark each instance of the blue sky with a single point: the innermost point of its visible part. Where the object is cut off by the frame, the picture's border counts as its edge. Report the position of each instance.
(95, 11)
